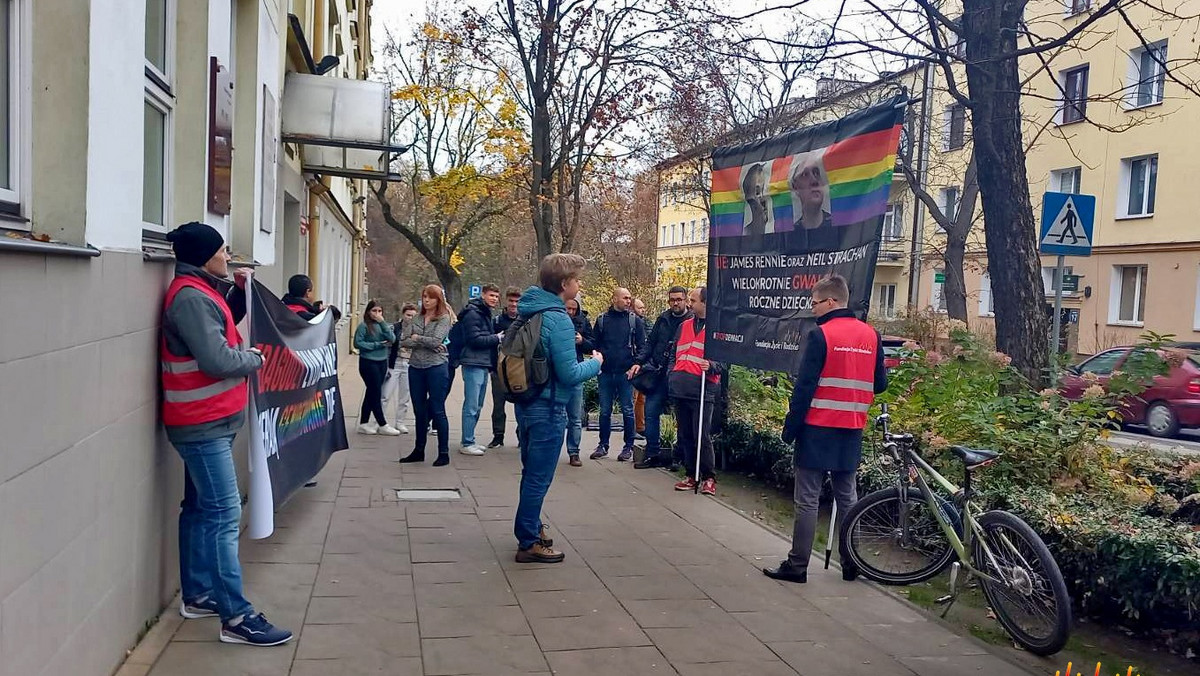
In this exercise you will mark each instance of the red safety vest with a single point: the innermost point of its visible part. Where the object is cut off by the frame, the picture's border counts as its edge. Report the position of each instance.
(190, 397)
(690, 351)
(847, 385)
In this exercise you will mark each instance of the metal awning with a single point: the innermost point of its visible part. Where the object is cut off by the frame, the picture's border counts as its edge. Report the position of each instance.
(342, 124)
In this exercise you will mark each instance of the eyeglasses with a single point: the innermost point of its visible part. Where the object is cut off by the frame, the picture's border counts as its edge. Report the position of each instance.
(823, 300)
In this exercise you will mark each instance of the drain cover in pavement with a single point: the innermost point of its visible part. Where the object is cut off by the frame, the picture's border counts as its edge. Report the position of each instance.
(403, 494)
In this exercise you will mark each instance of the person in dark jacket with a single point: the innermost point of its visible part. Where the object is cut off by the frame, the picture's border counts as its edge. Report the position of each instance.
(639, 397)
(693, 413)
(499, 420)
(204, 371)
(478, 360)
(583, 349)
(655, 356)
(841, 371)
(619, 336)
(301, 299)
(543, 421)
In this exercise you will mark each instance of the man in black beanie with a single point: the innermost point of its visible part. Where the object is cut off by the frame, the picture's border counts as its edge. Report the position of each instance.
(205, 392)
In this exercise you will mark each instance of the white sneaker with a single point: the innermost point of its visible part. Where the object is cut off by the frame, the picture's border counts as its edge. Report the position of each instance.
(402, 428)
(389, 431)
(368, 428)
(473, 449)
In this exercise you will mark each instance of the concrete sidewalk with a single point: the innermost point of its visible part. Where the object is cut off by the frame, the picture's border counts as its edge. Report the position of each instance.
(655, 582)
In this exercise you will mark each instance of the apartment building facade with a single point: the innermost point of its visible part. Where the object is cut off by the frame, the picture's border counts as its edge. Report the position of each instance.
(124, 118)
(1110, 117)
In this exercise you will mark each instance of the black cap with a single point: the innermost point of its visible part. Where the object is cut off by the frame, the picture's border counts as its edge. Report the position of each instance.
(195, 243)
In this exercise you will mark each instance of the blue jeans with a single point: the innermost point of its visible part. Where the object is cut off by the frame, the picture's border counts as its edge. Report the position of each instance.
(615, 386)
(208, 527)
(543, 423)
(429, 388)
(656, 405)
(475, 382)
(575, 420)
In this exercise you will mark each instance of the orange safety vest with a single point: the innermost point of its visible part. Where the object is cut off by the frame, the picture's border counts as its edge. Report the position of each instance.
(847, 385)
(190, 397)
(690, 351)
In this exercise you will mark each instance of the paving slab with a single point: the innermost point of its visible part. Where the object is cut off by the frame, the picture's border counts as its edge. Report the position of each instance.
(656, 583)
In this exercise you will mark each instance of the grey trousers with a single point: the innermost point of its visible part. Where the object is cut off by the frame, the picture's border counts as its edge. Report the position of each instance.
(807, 496)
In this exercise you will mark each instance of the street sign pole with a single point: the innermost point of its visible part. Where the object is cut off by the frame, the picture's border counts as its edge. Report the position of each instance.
(1056, 332)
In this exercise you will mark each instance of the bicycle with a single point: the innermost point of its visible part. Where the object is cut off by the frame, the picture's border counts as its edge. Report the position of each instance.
(908, 534)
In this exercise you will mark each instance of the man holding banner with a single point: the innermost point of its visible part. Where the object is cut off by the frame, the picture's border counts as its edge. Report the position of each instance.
(205, 393)
(796, 223)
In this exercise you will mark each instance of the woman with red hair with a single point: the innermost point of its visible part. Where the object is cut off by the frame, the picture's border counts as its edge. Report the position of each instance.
(429, 372)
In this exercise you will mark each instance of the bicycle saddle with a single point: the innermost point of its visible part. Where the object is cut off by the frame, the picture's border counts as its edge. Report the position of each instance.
(973, 457)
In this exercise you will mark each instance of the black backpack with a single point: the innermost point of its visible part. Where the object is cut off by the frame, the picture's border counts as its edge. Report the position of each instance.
(522, 369)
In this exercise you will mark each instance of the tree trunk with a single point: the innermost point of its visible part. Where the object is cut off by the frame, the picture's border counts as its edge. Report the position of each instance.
(541, 202)
(451, 281)
(955, 287)
(990, 29)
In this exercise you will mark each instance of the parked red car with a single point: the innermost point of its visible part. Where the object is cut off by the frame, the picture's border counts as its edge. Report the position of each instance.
(1170, 403)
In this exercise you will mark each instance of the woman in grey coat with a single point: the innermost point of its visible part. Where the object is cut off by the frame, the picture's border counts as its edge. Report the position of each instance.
(429, 372)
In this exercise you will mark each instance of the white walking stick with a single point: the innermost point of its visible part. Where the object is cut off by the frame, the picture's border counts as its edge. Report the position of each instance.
(829, 540)
(700, 431)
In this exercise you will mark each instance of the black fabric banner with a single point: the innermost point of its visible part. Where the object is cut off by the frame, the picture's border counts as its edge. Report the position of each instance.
(296, 398)
(787, 211)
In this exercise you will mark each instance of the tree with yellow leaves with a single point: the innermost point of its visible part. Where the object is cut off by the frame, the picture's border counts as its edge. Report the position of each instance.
(465, 166)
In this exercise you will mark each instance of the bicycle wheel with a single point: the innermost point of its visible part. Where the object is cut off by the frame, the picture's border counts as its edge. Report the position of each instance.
(873, 539)
(1033, 605)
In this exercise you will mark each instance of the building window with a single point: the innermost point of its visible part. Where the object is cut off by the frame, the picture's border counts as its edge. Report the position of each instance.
(1127, 302)
(949, 202)
(885, 300)
(937, 297)
(1050, 279)
(704, 229)
(10, 106)
(695, 237)
(1074, 87)
(987, 308)
(662, 238)
(893, 222)
(159, 102)
(954, 127)
(1139, 181)
(1066, 180)
(1148, 74)
(1073, 7)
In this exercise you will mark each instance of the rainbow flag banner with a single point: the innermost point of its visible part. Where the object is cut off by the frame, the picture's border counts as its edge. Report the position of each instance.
(786, 211)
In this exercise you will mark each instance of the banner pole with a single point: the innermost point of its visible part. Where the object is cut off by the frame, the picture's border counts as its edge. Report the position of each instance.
(829, 540)
(700, 431)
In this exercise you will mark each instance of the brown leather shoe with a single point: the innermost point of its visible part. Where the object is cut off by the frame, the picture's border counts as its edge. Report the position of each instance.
(576, 462)
(539, 553)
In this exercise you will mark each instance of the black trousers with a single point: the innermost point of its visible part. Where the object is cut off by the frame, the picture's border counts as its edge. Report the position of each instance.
(499, 419)
(687, 419)
(373, 372)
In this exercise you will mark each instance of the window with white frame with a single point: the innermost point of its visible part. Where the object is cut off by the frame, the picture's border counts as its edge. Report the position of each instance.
(1139, 182)
(949, 202)
(704, 229)
(893, 222)
(694, 236)
(159, 102)
(10, 106)
(1147, 75)
(987, 308)
(885, 300)
(954, 127)
(1127, 302)
(1066, 180)
(1050, 279)
(1074, 91)
(937, 296)
(662, 239)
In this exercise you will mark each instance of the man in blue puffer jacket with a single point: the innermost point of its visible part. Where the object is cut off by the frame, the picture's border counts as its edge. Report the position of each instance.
(543, 422)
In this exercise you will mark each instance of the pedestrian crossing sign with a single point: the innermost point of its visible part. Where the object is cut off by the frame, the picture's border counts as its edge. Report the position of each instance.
(1067, 221)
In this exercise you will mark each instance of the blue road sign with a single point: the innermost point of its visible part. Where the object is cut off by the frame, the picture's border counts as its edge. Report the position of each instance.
(476, 291)
(1067, 222)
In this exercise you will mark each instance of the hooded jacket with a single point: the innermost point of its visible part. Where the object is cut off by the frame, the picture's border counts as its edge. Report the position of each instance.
(479, 336)
(659, 348)
(583, 327)
(558, 344)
